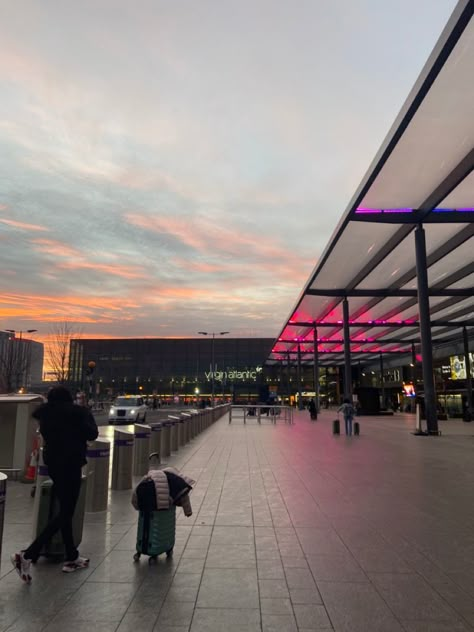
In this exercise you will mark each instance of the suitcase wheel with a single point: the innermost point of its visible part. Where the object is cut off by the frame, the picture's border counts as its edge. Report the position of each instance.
(136, 557)
(152, 559)
(169, 553)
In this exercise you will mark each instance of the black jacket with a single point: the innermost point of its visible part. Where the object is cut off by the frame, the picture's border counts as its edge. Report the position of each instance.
(65, 428)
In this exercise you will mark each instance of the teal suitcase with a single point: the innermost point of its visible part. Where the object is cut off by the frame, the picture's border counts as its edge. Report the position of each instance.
(156, 533)
(48, 508)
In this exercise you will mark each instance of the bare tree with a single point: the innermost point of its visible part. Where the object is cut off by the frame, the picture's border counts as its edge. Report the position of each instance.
(15, 356)
(58, 349)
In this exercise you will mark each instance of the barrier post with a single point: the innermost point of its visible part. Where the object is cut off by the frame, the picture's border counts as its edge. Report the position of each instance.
(174, 432)
(141, 449)
(122, 461)
(156, 438)
(97, 470)
(166, 438)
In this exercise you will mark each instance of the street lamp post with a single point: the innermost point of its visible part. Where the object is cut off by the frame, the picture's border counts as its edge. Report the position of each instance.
(213, 334)
(14, 331)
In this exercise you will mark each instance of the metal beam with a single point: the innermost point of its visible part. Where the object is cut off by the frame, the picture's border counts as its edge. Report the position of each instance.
(391, 292)
(338, 341)
(438, 217)
(369, 324)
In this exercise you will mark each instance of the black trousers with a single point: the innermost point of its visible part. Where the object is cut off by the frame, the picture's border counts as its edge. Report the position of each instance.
(66, 488)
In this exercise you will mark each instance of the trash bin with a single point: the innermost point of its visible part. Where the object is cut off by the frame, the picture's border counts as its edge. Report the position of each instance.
(141, 450)
(122, 461)
(97, 470)
(3, 494)
(48, 508)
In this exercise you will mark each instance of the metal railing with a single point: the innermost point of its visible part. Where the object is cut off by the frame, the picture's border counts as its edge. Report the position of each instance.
(260, 412)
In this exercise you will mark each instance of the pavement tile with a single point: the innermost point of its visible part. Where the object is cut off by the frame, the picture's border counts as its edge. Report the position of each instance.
(290, 526)
(228, 588)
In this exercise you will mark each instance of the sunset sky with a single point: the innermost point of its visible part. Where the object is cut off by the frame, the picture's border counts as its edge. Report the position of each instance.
(171, 167)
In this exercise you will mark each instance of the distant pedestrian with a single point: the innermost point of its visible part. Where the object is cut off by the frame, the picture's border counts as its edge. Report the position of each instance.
(66, 428)
(347, 410)
(312, 409)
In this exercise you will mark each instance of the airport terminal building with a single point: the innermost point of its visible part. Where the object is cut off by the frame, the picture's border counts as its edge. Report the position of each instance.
(168, 367)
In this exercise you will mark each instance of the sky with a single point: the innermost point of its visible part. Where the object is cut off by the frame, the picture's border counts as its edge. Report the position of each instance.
(174, 167)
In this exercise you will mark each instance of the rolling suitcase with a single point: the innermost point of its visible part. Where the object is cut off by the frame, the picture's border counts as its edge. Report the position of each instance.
(336, 429)
(356, 428)
(156, 530)
(48, 507)
(156, 533)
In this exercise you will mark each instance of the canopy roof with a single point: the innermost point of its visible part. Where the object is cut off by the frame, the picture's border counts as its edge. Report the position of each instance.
(423, 173)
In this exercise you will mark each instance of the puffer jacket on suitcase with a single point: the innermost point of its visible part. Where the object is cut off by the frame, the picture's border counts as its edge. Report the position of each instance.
(171, 488)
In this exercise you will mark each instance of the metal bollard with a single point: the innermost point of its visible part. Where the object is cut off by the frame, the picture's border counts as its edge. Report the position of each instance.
(97, 471)
(122, 461)
(174, 432)
(166, 438)
(187, 426)
(141, 449)
(3, 494)
(182, 432)
(156, 439)
(192, 423)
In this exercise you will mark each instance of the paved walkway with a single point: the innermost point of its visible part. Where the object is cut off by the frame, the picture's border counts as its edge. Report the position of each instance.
(293, 529)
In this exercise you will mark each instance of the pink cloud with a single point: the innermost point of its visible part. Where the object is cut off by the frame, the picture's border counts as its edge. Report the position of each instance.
(21, 225)
(77, 260)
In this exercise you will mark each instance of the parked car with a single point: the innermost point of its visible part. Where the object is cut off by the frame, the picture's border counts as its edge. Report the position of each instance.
(127, 409)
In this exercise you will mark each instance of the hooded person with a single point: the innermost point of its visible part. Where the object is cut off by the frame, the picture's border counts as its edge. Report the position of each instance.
(66, 428)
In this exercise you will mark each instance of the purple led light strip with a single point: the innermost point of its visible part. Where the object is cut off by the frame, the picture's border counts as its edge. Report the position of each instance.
(363, 211)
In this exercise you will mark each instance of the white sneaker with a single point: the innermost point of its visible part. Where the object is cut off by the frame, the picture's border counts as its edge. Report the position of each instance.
(22, 566)
(79, 562)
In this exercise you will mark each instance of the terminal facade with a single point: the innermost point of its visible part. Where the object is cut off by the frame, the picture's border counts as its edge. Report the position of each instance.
(171, 368)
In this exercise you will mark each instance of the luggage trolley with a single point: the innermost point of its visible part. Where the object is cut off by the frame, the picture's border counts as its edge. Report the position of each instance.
(156, 530)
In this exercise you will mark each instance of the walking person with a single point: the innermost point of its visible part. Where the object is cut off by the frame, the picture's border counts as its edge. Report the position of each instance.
(347, 410)
(66, 428)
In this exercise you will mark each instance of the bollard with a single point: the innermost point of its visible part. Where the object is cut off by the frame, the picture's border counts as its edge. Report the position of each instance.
(156, 439)
(3, 494)
(122, 461)
(193, 423)
(166, 438)
(174, 432)
(97, 471)
(182, 432)
(187, 426)
(141, 449)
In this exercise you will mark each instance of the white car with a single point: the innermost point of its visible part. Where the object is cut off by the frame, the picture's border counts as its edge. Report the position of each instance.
(128, 409)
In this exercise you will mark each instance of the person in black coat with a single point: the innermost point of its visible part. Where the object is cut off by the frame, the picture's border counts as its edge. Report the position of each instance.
(66, 428)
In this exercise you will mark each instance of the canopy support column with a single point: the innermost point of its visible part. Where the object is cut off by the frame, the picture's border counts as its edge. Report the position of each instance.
(316, 369)
(382, 382)
(347, 351)
(467, 364)
(300, 394)
(288, 377)
(425, 331)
